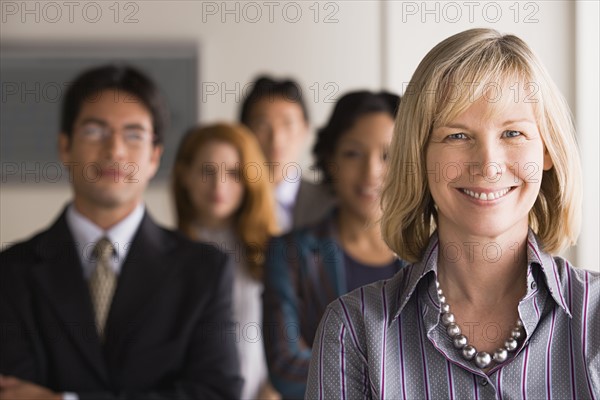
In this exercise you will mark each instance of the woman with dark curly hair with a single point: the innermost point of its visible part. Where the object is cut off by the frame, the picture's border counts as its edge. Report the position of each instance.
(308, 268)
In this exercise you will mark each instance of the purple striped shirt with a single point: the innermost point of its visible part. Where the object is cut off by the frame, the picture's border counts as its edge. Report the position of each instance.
(398, 349)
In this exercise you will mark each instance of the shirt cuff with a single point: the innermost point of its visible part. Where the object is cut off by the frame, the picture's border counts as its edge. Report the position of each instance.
(70, 396)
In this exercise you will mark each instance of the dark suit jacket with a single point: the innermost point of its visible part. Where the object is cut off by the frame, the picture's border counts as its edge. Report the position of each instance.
(314, 202)
(169, 330)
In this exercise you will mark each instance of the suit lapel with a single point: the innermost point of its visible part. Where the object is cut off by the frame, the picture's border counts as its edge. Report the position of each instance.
(60, 277)
(297, 212)
(142, 274)
(313, 204)
(327, 252)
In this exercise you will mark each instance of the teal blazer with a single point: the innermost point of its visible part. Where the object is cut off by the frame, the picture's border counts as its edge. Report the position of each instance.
(304, 272)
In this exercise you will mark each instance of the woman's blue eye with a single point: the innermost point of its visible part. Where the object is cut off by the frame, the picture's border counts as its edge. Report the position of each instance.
(512, 133)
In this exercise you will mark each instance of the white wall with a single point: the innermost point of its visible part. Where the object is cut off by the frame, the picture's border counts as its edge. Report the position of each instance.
(373, 45)
(340, 49)
(565, 36)
(547, 26)
(588, 122)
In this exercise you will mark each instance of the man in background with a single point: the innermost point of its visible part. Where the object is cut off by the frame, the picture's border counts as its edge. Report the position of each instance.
(276, 113)
(106, 304)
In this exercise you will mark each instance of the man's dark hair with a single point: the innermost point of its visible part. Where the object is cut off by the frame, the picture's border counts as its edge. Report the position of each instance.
(267, 88)
(347, 111)
(90, 83)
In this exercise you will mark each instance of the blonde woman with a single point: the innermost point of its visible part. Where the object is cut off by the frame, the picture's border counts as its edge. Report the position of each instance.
(484, 190)
(223, 198)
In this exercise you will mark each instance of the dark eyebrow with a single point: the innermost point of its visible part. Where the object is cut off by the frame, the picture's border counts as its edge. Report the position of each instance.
(101, 122)
(136, 126)
(350, 141)
(92, 120)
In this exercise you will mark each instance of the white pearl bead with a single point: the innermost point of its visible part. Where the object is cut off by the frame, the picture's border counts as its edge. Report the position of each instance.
(447, 319)
(442, 298)
(510, 344)
(500, 355)
(519, 323)
(445, 308)
(516, 333)
(460, 341)
(469, 352)
(453, 330)
(483, 359)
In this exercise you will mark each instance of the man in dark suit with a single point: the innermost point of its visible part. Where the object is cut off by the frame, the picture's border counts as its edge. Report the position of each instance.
(105, 304)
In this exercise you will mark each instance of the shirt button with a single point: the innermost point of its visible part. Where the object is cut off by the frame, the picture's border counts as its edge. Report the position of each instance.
(533, 285)
(483, 382)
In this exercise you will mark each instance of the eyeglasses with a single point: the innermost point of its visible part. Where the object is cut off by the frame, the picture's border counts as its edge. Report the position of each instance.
(96, 133)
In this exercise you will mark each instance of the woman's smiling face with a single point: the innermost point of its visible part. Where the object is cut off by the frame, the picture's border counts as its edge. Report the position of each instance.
(358, 165)
(484, 168)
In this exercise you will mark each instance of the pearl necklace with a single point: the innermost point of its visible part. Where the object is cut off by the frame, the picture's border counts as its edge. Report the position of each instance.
(482, 359)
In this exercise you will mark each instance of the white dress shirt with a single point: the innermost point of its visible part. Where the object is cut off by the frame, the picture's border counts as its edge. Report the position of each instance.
(285, 197)
(247, 310)
(87, 234)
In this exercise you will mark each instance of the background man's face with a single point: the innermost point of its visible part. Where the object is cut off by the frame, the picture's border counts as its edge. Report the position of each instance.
(111, 155)
(281, 130)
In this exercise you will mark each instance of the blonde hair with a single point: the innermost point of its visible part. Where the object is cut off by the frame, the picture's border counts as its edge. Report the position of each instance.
(255, 220)
(481, 59)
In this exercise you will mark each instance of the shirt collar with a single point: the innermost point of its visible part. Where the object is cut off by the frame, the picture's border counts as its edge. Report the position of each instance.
(286, 192)
(536, 258)
(417, 271)
(123, 232)
(86, 233)
(223, 236)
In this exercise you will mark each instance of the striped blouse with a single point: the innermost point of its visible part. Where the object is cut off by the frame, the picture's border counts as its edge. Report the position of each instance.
(385, 340)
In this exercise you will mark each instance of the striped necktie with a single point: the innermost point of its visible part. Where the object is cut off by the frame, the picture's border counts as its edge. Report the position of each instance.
(102, 284)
